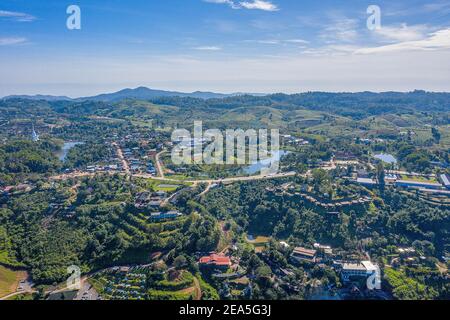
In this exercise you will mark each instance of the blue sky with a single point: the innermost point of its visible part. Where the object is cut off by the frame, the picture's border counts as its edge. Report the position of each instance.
(223, 45)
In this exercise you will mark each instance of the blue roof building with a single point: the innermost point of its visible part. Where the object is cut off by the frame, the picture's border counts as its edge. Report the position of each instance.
(165, 215)
(445, 180)
(418, 184)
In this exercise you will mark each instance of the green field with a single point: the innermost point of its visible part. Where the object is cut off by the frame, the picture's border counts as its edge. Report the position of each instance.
(418, 179)
(160, 185)
(9, 280)
(258, 242)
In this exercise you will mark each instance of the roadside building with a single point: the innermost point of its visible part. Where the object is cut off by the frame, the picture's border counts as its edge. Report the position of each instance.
(352, 270)
(445, 180)
(170, 215)
(326, 250)
(142, 200)
(345, 156)
(440, 193)
(417, 184)
(390, 178)
(366, 182)
(215, 261)
(161, 194)
(155, 203)
(303, 254)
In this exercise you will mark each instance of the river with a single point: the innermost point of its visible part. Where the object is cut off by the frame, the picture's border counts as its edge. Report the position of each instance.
(257, 166)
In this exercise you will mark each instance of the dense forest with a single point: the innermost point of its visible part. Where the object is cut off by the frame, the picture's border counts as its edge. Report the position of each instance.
(104, 230)
(396, 220)
(20, 159)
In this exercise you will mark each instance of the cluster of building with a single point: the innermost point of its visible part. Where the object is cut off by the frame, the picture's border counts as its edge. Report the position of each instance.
(336, 204)
(440, 185)
(288, 139)
(153, 200)
(330, 205)
(105, 168)
(21, 188)
(150, 200)
(136, 164)
(348, 271)
(126, 283)
(139, 149)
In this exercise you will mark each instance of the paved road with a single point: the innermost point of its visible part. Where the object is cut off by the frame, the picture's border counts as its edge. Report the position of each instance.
(226, 180)
(208, 187)
(158, 164)
(87, 292)
(195, 182)
(24, 286)
(9, 296)
(125, 165)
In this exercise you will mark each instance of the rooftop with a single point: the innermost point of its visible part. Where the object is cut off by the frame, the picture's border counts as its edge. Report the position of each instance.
(362, 266)
(445, 179)
(216, 259)
(305, 252)
(419, 183)
(366, 181)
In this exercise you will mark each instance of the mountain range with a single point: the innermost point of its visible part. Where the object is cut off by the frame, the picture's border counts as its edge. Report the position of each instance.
(137, 93)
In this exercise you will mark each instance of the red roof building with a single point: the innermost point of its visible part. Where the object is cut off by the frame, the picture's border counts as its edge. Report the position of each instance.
(215, 260)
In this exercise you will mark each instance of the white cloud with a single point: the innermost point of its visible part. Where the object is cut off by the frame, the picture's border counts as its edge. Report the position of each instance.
(340, 30)
(279, 41)
(264, 5)
(442, 6)
(402, 33)
(299, 41)
(228, 2)
(259, 5)
(17, 16)
(435, 41)
(208, 48)
(11, 41)
(265, 41)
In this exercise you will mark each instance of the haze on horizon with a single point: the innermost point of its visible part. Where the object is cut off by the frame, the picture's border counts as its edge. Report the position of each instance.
(225, 46)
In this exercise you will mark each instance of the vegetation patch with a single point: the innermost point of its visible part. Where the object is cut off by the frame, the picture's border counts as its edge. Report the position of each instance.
(9, 280)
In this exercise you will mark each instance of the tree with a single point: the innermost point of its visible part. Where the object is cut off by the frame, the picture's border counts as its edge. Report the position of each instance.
(436, 134)
(381, 176)
(180, 262)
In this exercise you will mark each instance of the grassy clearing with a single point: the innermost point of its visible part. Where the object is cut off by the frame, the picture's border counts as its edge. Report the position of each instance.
(9, 280)
(161, 185)
(22, 297)
(419, 179)
(260, 240)
(259, 243)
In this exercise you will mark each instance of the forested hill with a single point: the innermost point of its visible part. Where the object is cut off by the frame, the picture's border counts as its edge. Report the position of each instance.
(357, 105)
(354, 105)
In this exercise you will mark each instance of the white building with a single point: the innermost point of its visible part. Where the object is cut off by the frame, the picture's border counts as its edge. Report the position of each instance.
(363, 269)
(34, 135)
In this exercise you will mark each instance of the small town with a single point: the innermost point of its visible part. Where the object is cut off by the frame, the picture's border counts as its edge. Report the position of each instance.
(223, 158)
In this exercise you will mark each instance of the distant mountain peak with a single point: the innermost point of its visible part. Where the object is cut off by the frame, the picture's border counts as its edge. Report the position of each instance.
(129, 93)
